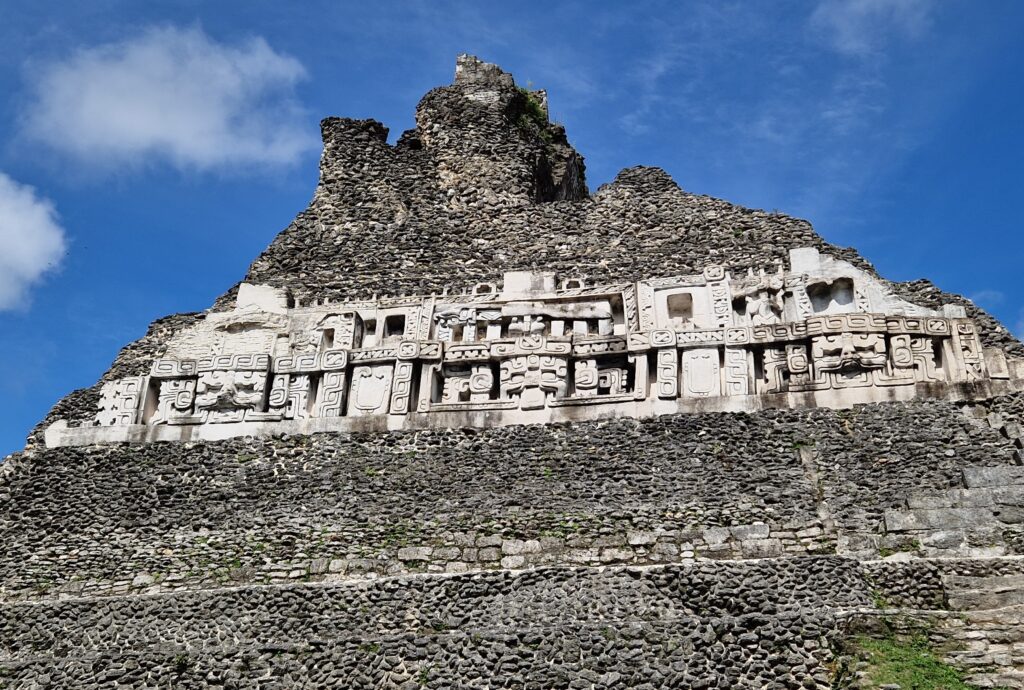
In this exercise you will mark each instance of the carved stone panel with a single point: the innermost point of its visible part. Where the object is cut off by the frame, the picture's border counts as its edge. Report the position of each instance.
(668, 373)
(533, 378)
(331, 395)
(737, 371)
(401, 388)
(970, 352)
(225, 396)
(585, 378)
(701, 374)
(613, 380)
(371, 389)
(120, 401)
(175, 401)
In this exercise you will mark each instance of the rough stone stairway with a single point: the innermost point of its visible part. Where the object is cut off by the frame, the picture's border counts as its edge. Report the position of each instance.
(983, 518)
(987, 635)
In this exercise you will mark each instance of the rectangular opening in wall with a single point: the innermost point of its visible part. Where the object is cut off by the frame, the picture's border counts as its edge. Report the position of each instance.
(151, 402)
(680, 309)
(759, 380)
(394, 326)
(327, 339)
(939, 353)
(369, 333)
(314, 392)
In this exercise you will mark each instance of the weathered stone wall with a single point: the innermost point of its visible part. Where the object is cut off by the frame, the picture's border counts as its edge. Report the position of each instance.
(724, 625)
(164, 516)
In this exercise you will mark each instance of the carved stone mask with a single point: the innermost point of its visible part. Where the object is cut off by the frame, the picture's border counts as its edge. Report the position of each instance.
(230, 390)
(849, 352)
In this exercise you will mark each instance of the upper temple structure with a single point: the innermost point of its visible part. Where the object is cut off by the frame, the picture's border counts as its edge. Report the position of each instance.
(466, 423)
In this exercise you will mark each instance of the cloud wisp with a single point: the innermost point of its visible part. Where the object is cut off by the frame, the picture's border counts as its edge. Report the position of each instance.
(858, 28)
(31, 241)
(171, 95)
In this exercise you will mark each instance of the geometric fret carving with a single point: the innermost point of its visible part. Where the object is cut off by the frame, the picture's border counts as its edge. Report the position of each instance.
(121, 401)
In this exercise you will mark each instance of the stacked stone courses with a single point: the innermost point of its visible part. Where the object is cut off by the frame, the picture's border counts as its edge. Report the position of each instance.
(466, 424)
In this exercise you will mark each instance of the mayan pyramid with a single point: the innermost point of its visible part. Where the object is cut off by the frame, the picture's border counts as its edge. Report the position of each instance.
(467, 424)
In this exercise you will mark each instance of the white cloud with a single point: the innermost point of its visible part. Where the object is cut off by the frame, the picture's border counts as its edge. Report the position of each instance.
(31, 240)
(174, 95)
(859, 27)
(987, 298)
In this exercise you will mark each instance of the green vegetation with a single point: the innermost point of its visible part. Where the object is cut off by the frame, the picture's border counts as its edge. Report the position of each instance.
(181, 662)
(533, 118)
(907, 662)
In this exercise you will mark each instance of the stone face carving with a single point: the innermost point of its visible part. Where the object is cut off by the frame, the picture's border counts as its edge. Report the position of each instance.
(225, 396)
(849, 352)
(532, 349)
(533, 378)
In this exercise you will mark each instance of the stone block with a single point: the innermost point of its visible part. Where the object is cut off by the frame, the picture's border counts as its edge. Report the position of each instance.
(936, 519)
(490, 553)
(747, 532)
(716, 535)
(616, 555)
(512, 547)
(761, 548)
(415, 553)
(513, 562)
(975, 477)
(943, 539)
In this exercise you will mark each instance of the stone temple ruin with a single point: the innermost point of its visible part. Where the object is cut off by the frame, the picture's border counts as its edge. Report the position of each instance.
(466, 424)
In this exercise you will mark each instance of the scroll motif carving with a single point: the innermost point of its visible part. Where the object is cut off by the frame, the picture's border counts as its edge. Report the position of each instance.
(668, 373)
(585, 378)
(737, 376)
(401, 389)
(174, 405)
(331, 396)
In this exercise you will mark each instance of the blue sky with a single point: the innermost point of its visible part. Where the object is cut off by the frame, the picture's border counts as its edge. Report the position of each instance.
(149, 151)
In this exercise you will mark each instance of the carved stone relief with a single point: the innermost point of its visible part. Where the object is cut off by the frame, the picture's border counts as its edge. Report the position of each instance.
(121, 401)
(371, 389)
(668, 338)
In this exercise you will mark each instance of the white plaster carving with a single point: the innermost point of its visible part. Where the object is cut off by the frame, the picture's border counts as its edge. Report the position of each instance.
(824, 330)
